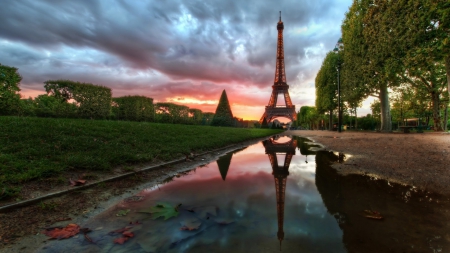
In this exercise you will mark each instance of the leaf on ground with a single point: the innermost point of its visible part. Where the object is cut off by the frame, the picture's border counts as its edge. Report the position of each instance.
(123, 212)
(62, 233)
(77, 182)
(125, 236)
(224, 221)
(128, 234)
(121, 240)
(372, 215)
(163, 210)
(203, 211)
(190, 224)
(120, 230)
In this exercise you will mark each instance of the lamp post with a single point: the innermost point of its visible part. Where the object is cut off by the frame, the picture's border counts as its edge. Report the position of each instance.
(336, 50)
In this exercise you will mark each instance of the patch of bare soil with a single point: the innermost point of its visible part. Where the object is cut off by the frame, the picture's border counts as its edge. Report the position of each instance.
(417, 159)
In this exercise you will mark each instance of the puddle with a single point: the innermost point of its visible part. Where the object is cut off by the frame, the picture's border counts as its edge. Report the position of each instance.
(279, 194)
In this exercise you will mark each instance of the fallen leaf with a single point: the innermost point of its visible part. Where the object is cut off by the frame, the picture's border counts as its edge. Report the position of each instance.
(162, 210)
(120, 230)
(190, 224)
(77, 182)
(123, 212)
(128, 234)
(372, 215)
(121, 240)
(62, 233)
(224, 221)
(88, 238)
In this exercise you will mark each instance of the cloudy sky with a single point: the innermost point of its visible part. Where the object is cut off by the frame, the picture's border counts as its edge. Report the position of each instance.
(178, 51)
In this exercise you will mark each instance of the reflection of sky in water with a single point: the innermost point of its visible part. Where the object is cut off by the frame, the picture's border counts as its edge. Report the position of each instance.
(247, 198)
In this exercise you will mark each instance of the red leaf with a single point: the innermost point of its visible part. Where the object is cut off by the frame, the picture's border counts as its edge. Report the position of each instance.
(128, 234)
(120, 240)
(62, 233)
(120, 230)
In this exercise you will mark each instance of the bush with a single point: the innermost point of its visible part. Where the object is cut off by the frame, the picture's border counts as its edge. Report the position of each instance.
(93, 101)
(9, 88)
(134, 108)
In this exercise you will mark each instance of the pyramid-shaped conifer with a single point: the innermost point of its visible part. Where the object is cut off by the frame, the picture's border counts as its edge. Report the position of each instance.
(223, 115)
(224, 164)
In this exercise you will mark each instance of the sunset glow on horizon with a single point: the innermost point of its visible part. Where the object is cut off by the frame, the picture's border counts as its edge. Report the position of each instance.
(183, 52)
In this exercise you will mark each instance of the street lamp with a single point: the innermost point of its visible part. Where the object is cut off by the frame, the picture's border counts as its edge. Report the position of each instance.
(336, 49)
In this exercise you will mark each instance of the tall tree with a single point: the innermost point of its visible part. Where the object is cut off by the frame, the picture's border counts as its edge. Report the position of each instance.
(408, 42)
(326, 86)
(223, 115)
(9, 88)
(365, 69)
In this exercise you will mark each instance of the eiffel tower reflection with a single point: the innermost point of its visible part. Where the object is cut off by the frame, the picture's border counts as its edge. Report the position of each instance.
(280, 173)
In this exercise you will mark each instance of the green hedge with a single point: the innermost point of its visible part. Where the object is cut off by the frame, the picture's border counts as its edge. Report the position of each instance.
(171, 113)
(133, 108)
(93, 101)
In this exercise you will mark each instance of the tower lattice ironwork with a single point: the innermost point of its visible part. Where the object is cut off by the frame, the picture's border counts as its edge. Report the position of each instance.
(280, 174)
(280, 86)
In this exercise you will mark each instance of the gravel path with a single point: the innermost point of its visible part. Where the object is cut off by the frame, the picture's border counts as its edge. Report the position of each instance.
(417, 159)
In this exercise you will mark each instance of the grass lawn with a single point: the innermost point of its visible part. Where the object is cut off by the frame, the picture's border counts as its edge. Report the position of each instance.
(34, 148)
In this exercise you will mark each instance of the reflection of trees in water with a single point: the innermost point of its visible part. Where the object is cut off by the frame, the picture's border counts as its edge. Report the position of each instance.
(224, 162)
(410, 224)
(303, 146)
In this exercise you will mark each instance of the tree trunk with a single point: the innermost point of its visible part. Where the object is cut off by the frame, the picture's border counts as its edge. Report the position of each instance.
(436, 111)
(446, 116)
(386, 124)
(447, 69)
(356, 120)
(330, 121)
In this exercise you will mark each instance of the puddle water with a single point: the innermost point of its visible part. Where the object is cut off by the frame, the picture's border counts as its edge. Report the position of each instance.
(276, 195)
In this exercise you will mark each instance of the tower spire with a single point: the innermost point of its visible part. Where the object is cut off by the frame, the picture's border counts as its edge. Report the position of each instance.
(280, 174)
(279, 87)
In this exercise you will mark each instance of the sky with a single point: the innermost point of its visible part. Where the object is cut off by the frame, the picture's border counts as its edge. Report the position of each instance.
(185, 52)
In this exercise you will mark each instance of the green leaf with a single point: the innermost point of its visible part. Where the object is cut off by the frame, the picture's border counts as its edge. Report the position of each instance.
(163, 210)
(123, 212)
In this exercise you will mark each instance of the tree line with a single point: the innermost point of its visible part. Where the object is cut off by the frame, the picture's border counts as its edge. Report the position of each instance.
(397, 52)
(71, 99)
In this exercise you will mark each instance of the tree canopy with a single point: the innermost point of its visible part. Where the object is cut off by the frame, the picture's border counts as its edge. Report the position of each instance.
(9, 88)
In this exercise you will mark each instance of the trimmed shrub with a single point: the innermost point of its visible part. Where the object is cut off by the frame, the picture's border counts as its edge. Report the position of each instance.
(134, 108)
(223, 115)
(171, 113)
(93, 101)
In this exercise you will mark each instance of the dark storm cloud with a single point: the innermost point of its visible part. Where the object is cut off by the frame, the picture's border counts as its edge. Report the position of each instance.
(214, 42)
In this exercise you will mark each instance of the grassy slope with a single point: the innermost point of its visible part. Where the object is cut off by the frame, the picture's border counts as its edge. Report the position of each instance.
(32, 148)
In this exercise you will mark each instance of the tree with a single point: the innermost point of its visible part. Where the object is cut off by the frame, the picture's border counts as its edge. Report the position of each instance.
(223, 115)
(365, 68)
(326, 86)
(9, 88)
(408, 41)
(171, 113)
(93, 101)
(195, 116)
(308, 117)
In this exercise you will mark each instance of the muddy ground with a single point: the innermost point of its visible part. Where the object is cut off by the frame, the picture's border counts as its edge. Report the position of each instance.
(417, 159)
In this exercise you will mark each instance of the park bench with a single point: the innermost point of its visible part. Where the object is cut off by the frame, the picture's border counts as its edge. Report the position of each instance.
(406, 128)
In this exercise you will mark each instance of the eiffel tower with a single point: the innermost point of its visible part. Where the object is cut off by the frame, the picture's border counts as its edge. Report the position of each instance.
(280, 174)
(280, 86)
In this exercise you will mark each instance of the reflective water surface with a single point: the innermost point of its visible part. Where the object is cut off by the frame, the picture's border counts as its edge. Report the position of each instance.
(275, 195)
